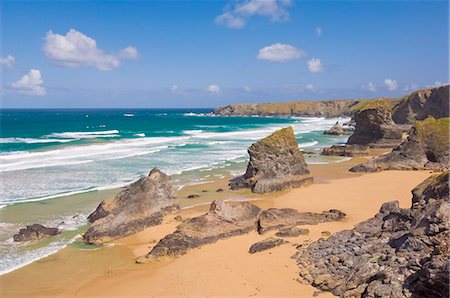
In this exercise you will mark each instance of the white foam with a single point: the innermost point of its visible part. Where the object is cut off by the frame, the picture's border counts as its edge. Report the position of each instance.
(84, 134)
(128, 115)
(32, 140)
(308, 144)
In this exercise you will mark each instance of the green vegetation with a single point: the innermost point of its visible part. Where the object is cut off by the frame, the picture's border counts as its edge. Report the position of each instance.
(373, 103)
(434, 133)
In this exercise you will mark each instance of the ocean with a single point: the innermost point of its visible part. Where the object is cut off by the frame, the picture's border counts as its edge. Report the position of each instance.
(52, 162)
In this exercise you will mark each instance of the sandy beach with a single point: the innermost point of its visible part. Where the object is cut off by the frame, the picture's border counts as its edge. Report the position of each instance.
(224, 268)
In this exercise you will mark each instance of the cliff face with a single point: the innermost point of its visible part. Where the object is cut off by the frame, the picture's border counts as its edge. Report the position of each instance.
(421, 104)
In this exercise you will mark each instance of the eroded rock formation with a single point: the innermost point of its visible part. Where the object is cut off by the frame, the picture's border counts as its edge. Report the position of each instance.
(276, 163)
(266, 244)
(35, 231)
(138, 206)
(336, 130)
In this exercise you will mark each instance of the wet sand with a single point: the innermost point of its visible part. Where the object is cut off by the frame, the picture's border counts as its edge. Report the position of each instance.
(223, 268)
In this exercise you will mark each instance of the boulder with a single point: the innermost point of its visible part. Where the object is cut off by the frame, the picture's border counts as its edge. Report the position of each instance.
(224, 219)
(266, 244)
(346, 150)
(336, 130)
(397, 253)
(35, 231)
(276, 163)
(426, 148)
(375, 127)
(421, 104)
(291, 232)
(274, 218)
(140, 205)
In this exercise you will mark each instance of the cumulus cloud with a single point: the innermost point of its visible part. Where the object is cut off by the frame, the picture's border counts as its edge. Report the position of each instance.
(436, 84)
(310, 87)
(391, 84)
(7, 61)
(370, 86)
(411, 87)
(236, 16)
(318, 31)
(76, 49)
(279, 53)
(314, 65)
(174, 88)
(31, 84)
(213, 88)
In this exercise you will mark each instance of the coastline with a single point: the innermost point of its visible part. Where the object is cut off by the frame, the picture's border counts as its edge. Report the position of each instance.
(79, 270)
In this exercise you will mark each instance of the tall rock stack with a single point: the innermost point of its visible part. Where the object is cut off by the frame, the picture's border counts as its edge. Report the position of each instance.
(138, 206)
(276, 163)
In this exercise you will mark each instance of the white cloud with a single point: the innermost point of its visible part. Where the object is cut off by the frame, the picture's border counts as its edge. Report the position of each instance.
(247, 89)
(129, 53)
(314, 65)
(235, 16)
(213, 88)
(310, 87)
(411, 87)
(319, 31)
(391, 84)
(30, 84)
(370, 86)
(436, 84)
(76, 49)
(279, 53)
(8, 61)
(174, 88)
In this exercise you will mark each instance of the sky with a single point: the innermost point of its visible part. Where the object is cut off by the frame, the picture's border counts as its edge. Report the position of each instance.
(190, 54)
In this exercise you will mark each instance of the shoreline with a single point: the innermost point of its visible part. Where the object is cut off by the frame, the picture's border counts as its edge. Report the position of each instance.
(115, 262)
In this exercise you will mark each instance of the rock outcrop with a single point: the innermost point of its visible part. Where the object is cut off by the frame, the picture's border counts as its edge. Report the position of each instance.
(276, 163)
(336, 130)
(426, 148)
(138, 206)
(223, 220)
(291, 232)
(375, 128)
(421, 104)
(274, 218)
(347, 150)
(35, 231)
(266, 244)
(397, 253)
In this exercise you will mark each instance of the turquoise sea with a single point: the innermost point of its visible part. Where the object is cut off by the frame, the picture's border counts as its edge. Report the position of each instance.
(50, 155)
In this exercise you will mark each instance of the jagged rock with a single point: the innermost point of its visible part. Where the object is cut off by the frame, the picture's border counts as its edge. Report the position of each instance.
(397, 253)
(224, 219)
(291, 232)
(421, 104)
(375, 128)
(275, 163)
(426, 148)
(266, 244)
(35, 231)
(138, 206)
(193, 196)
(336, 130)
(346, 150)
(274, 218)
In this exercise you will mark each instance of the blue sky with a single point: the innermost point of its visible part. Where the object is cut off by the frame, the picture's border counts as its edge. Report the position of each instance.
(151, 54)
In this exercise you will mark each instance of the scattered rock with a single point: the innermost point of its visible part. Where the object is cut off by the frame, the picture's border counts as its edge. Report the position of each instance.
(266, 244)
(275, 163)
(292, 232)
(192, 196)
(219, 190)
(426, 148)
(325, 233)
(397, 253)
(375, 127)
(274, 218)
(336, 130)
(347, 150)
(204, 190)
(138, 206)
(224, 219)
(178, 218)
(35, 231)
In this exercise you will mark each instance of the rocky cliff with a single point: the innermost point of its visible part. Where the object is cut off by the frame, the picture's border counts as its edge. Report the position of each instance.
(397, 253)
(276, 163)
(421, 104)
(426, 148)
(138, 206)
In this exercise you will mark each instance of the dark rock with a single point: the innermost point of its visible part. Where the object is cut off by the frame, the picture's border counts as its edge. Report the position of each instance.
(275, 163)
(274, 218)
(138, 206)
(192, 196)
(421, 104)
(224, 219)
(219, 190)
(204, 190)
(291, 232)
(35, 231)
(346, 150)
(375, 127)
(397, 253)
(336, 130)
(265, 245)
(426, 148)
